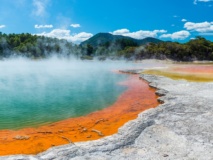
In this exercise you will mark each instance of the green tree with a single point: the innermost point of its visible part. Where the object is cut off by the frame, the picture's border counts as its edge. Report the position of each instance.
(89, 50)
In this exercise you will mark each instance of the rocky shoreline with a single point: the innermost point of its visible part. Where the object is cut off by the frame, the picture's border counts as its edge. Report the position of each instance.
(180, 128)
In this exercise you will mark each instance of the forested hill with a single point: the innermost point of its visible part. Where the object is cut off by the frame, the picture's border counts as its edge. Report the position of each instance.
(104, 45)
(196, 49)
(105, 39)
(32, 46)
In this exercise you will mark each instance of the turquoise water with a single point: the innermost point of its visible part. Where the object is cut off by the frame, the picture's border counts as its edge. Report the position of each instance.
(33, 93)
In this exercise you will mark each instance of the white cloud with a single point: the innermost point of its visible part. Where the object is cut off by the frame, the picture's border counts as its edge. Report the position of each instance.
(121, 32)
(43, 26)
(2, 26)
(206, 34)
(204, 0)
(75, 25)
(180, 35)
(138, 34)
(199, 27)
(184, 20)
(65, 34)
(195, 1)
(40, 7)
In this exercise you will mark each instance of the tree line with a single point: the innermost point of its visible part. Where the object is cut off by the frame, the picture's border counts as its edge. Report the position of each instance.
(196, 49)
(33, 46)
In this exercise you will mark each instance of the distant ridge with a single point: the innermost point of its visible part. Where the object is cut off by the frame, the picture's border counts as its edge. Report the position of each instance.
(102, 38)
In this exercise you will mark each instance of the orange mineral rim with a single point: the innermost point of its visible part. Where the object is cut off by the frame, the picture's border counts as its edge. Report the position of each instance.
(137, 98)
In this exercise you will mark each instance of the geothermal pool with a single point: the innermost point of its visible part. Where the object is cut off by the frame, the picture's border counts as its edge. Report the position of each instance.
(38, 100)
(34, 93)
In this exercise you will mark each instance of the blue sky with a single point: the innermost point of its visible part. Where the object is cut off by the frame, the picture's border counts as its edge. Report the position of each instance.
(78, 20)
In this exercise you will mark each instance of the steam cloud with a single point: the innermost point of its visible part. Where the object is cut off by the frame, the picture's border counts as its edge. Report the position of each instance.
(34, 92)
